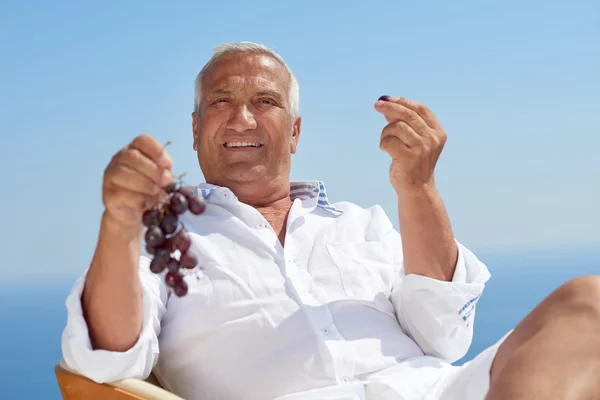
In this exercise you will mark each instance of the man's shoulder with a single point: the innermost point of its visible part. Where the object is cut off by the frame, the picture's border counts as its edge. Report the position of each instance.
(315, 193)
(349, 209)
(357, 222)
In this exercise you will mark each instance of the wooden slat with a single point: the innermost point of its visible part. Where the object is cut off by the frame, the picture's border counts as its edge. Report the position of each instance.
(76, 387)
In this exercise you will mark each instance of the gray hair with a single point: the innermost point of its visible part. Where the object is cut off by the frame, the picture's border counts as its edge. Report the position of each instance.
(248, 48)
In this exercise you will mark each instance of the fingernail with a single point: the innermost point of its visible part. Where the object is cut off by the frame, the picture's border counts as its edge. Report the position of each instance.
(167, 177)
(384, 98)
(164, 160)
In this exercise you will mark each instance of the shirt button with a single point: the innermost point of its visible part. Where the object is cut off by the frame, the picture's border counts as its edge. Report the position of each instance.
(329, 331)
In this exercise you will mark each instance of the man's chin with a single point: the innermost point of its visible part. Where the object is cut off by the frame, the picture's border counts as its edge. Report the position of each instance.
(245, 173)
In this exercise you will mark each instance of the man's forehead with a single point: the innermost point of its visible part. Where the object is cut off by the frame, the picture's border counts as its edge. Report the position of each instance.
(258, 69)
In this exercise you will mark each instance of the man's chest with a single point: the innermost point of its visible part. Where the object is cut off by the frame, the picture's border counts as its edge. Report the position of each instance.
(323, 260)
(256, 301)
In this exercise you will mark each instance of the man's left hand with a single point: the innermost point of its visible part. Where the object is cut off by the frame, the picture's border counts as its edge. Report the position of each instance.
(413, 138)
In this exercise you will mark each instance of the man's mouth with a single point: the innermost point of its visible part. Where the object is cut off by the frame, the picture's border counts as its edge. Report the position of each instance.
(241, 144)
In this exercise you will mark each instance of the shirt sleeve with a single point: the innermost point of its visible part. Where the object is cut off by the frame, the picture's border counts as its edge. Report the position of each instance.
(108, 366)
(437, 315)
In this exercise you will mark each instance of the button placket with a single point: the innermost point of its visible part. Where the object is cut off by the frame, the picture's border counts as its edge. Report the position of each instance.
(342, 353)
(301, 281)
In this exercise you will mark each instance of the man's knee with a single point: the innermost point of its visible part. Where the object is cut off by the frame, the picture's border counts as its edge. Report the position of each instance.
(579, 295)
(579, 298)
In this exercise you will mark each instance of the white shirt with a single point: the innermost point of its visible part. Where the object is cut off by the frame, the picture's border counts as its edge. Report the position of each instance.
(329, 316)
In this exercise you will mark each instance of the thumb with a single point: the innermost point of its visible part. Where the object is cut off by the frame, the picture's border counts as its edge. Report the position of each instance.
(383, 106)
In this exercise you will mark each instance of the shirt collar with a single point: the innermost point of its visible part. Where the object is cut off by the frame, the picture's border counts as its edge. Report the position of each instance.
(311, 193)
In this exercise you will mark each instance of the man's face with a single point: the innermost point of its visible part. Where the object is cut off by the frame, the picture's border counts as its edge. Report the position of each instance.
(244, 130)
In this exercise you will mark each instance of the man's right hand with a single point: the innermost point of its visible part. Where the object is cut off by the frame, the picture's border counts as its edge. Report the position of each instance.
(133, 182)
(112, 295)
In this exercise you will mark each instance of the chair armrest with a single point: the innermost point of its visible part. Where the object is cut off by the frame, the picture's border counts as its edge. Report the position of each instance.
(75, 386)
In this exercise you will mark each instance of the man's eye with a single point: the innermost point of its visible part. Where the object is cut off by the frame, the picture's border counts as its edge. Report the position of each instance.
(267, 101)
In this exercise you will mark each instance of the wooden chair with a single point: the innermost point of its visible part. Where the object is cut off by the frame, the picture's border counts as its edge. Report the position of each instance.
(74, 386)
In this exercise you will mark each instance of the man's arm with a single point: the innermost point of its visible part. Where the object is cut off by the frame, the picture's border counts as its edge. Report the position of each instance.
(436, 295)
(114, 310)
(112, 295)
(427, 240)
(414, 139)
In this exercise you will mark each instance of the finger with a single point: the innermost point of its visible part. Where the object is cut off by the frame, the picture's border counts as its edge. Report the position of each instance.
(412, 110)
(136, 160)
(115, 196)
(130, 179)
(394, 146)
(397, 112)
(153, 150)
(425, 113)
(403, 132)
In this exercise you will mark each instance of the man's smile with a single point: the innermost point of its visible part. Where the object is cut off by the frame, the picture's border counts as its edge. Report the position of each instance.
(246, 145)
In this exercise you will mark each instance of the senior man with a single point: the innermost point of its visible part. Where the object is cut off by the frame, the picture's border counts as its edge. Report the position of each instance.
(301, 298)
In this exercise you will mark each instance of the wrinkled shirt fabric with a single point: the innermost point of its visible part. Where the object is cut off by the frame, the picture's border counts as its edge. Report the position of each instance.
(332, 315)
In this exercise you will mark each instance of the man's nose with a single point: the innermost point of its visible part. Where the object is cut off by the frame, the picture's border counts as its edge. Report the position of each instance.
(242, 119)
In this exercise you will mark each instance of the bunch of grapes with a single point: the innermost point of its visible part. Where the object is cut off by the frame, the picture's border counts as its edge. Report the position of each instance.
(166, 234)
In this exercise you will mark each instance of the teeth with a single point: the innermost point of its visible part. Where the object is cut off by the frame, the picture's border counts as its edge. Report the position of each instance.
(241, 144)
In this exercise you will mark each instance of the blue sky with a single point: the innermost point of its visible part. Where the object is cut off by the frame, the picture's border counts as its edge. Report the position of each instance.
(514, 84)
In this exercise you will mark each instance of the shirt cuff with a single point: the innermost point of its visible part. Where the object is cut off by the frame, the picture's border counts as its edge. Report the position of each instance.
(108, 366)
(439, 315)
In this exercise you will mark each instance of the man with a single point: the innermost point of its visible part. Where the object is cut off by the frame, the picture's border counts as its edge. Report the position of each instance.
(300, 298)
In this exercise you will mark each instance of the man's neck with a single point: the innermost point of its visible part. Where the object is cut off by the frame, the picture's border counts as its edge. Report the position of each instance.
(272, 201)
(276, 214)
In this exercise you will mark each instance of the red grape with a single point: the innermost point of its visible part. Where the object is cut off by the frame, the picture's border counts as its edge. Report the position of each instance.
(181, 288)
(171, 187)
(173, 265)
(150, 249)
(178, 203)
(163, 255)
(168, 244)
(163, 237)
(151, 217)
(154, 236)
(172, 278)
(160, 260)
(169, 223)
(188, 260)
(187, 192)
(156, 266)
(195, 203)
(182, 241)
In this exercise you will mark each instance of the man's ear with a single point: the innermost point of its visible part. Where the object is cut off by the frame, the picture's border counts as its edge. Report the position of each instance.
(295, 134)
(195, 130)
